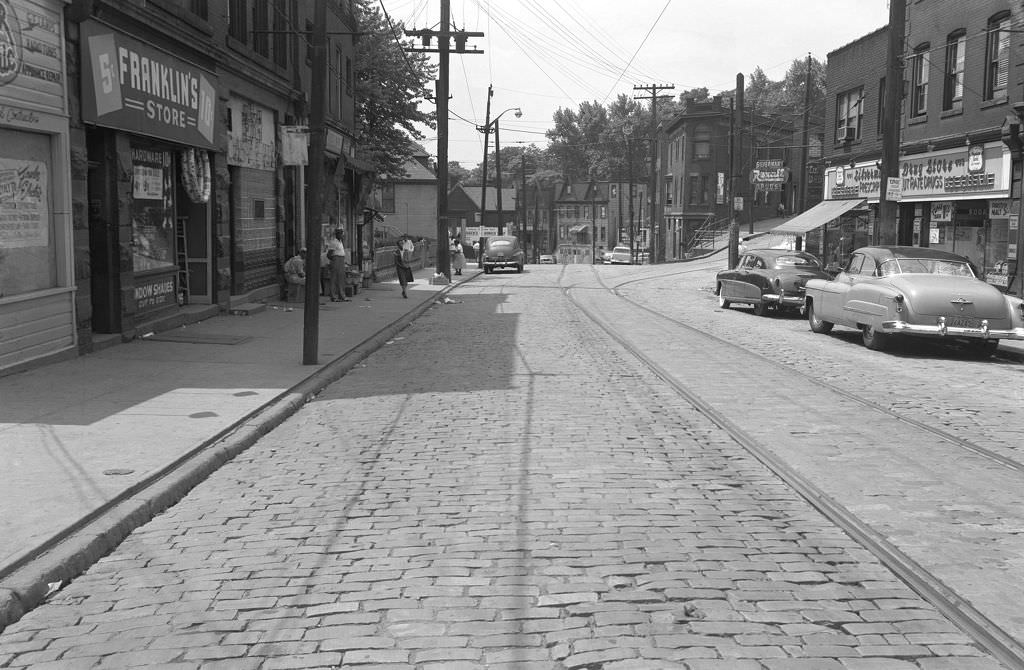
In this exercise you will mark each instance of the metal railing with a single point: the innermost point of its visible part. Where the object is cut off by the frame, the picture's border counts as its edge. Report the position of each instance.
(706, 236)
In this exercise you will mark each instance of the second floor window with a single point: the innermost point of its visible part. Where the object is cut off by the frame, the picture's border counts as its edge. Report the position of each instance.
(849, 111)
(702, 143)
(261, 26)
(953, 80)
(387, 197)
(919, 83)
(238, 21)
(997, 58)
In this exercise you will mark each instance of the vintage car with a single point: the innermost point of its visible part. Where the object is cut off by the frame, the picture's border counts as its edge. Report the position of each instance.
(548, 259)
(503, 251)
(888, 291)
(768, 278)
(620, 256)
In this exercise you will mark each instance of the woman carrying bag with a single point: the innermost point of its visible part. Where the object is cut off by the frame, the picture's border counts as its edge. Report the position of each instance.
(402, 268)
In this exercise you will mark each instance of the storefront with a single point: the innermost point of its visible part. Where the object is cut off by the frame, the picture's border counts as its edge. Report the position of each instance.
(956, 200)
(37, 289)
(150, 128)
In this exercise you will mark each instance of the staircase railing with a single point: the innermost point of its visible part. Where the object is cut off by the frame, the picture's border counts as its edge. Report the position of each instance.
(705, 237)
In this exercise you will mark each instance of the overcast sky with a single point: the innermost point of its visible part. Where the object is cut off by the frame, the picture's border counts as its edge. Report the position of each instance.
(542, 55)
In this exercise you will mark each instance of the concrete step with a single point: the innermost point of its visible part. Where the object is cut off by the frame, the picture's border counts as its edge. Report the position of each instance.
(247, 309)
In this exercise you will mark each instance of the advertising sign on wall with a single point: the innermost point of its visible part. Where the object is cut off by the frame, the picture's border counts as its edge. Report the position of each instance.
(251, 138)
(24, 216)
(31, 55)
(981, 171)
(130, 85)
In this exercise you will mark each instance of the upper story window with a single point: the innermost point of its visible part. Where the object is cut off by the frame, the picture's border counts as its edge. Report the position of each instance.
(200, 8)
(953, 76)
(849, 114)
(702, 142)
(919, 65)
(997, 56)
(387, 196)
(881, 107)
(261, 28)
(238, 20)
(281, 22)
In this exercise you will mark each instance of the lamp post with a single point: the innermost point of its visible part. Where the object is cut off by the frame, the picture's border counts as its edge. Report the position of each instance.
(486, 129)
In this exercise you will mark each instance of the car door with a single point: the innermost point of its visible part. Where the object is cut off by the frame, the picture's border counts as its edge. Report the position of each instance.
(833, 298)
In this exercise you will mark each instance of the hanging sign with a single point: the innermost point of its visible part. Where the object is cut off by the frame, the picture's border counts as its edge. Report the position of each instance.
(132, 86)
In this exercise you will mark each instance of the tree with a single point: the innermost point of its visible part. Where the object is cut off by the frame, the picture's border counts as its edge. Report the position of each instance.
(389, 86)
(457, 174)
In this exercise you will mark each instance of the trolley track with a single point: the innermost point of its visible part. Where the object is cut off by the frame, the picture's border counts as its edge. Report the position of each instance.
(932, 587)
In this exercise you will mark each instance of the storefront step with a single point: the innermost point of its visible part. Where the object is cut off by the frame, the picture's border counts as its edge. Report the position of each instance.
(248, 309)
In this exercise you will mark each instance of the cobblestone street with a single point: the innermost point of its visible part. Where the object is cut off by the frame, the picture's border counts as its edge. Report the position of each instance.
(501, 486)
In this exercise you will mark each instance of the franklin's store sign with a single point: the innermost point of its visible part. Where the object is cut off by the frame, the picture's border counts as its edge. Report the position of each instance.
(980, 171)
(133, 86)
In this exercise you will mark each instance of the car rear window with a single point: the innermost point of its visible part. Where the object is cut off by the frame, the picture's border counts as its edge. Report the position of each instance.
(802, 261)
(500, 243)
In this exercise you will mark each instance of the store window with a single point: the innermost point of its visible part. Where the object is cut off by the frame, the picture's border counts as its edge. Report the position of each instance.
(997, 61)
(27, 244)
(152, 210)
(953, 79)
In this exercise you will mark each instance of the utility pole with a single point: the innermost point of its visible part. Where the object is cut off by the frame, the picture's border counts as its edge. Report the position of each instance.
(657, 220)
(497, 175)
(886, 228)
(735, 148)
(317, 140)
(536, 215)
(444, 35)
(487, 132)
(522, 196)
(805, 138)
(593, 223)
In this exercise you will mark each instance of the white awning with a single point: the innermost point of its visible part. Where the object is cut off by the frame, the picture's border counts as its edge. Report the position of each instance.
(816, 216)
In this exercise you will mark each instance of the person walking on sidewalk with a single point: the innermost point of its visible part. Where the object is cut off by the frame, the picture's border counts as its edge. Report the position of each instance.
(336, 256)
(402, 268)
(458, 258)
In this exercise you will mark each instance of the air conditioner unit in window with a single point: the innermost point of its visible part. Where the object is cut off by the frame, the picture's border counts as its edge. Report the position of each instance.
(848, 134)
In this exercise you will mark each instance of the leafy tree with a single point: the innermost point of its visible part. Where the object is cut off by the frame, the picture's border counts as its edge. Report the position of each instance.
(457, 174)
(389, 86)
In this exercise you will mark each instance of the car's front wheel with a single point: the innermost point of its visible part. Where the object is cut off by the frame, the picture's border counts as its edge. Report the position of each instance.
(874, 339)
(818, 325)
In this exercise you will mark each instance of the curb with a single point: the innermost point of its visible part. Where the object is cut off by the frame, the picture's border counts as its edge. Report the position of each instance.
(73, 552)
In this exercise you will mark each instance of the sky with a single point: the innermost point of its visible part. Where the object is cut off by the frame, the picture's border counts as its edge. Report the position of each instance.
(543, 55)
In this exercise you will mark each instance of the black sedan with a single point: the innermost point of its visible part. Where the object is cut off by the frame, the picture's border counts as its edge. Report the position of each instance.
(768, 278)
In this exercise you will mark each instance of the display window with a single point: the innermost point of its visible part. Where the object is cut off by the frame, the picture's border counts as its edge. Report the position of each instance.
(27, 238)
(152, 211)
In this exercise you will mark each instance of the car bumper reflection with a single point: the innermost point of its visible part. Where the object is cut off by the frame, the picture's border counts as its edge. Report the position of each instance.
(940, 329)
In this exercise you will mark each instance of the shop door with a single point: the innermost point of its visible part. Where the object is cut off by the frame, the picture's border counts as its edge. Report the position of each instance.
(104, 243)
(195, 277)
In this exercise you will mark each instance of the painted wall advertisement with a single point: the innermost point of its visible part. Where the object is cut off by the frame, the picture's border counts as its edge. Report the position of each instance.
(251, 139)
(31, 58)
(978, 171)
(130, 85)
(24, 215)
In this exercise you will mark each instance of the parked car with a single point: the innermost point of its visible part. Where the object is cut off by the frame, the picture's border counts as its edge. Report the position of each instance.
(768, 278)
(548, 259)
(502, 252)
(620, 256)
(913, 291)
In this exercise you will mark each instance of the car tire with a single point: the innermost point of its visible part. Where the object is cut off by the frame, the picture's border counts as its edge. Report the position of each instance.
(761, 308)
(818, 326)
(873, 339)
(722, 302)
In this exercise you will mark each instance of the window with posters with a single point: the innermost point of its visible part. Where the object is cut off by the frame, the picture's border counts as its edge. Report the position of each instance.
(152, 209)
(27, 240)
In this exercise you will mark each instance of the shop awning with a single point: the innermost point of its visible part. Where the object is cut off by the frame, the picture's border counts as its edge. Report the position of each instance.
(816, 216)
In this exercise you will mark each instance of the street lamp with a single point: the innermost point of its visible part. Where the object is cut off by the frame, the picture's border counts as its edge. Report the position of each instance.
(485, 129)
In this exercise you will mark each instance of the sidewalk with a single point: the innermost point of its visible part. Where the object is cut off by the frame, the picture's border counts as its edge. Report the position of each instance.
(95, 446)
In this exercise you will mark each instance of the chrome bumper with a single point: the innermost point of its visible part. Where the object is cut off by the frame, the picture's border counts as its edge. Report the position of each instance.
(787, 299)
(940, 329)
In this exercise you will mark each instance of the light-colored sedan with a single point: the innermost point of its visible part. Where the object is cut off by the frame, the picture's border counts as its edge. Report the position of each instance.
(913, 291)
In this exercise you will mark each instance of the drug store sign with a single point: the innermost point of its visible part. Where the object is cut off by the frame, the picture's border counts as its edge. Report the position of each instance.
(978, 171)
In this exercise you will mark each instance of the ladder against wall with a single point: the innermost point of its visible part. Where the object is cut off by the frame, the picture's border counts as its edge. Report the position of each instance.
(181, 254)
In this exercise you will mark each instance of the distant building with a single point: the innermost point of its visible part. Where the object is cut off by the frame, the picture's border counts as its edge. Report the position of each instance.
(408, 204)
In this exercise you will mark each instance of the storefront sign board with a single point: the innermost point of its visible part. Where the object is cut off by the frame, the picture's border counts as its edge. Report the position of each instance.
(294, 145)
(155, 292)
(946, 174)
(132, 86)
(31, 56)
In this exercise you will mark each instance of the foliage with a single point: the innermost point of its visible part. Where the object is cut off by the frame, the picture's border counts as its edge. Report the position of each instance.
(457, 174)
(389, 85)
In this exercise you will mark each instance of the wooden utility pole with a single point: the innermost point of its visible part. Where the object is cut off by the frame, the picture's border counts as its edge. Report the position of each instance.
(886, 228)
(487, 132)
(657, 248)
(317, 140)
(444, 35)
(735, 148)
(497, 174)
(805, 138)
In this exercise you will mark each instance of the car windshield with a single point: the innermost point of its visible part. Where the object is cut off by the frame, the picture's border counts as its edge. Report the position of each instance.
(927, 266)
(620, 250)
(797, 261)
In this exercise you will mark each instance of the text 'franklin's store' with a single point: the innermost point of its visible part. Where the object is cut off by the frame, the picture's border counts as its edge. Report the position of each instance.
(150, 129)
(956, 200)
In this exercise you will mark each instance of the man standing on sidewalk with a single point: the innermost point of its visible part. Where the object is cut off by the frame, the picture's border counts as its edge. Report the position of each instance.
(336, 256)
